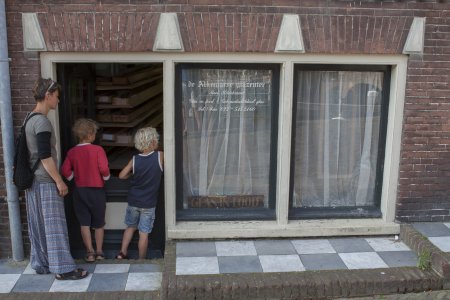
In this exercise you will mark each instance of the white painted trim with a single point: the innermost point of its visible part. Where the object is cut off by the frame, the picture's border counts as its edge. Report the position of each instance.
(169, 142)
(280, 227)
(284, 142)
(270, 229)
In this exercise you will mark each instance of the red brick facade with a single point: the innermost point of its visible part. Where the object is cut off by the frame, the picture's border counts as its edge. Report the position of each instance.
(328, 27)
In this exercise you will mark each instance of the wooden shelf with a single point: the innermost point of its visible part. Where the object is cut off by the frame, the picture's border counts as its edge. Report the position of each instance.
(128, 86)
(133, 100)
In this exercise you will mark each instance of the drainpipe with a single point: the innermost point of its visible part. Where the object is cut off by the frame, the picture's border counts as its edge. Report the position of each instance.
(8, 141)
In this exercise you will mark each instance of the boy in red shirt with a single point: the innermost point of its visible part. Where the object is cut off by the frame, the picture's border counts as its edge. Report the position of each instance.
(87, 163)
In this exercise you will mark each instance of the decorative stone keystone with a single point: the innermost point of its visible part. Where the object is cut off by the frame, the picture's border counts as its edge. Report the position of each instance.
(33, 39)
(415, 40)
(290, 37)
(168, 37)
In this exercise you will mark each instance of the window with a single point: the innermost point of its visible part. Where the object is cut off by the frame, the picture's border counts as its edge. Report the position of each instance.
(339, 132)
(226, 123)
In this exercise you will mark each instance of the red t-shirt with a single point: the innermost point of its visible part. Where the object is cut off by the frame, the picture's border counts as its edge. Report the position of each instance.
(88, 164)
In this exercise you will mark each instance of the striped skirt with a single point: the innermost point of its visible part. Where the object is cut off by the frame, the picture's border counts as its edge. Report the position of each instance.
(47, 229)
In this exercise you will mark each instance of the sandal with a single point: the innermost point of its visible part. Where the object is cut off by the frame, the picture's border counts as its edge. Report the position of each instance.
(121, 256)
(74, 275)
(90, 257)
(100, 256)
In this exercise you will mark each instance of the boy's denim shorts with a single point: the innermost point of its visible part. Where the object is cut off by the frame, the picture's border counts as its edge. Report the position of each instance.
(142, 218)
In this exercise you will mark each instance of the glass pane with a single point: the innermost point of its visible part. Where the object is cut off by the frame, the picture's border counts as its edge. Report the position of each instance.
(336, 140)
(226, 137)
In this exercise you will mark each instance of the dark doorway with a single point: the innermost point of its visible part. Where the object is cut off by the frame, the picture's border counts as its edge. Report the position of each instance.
(121, 98)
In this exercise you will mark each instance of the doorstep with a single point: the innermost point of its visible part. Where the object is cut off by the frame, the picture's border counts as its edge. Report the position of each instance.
(306, 282)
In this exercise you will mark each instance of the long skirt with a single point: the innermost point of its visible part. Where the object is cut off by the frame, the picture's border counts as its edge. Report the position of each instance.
(47, 228)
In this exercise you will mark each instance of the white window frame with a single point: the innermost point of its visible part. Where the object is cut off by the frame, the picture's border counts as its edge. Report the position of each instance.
(282, 226)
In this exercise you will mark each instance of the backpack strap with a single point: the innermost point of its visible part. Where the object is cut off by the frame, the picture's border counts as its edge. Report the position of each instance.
(29, 116)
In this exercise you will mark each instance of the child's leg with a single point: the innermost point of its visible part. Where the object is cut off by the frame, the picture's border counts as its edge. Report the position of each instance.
(87, 239)
(145, 227)
(143, 245)
(127, 236)
(99, 236)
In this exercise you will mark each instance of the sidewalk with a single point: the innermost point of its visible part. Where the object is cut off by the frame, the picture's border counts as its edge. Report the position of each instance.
(333, 268)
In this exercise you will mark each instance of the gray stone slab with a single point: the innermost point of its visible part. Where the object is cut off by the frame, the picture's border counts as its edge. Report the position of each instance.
(7, 267)
(274, 247)
(144, 268)
(88, 267)
(442, 242)
(322, 261)
(239, 264)
(34, 283)
(346, 245)
(196, 249)
(108, 282)
(432, 229)
(399, 258)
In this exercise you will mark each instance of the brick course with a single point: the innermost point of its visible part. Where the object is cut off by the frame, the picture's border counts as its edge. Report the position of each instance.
(328, 27)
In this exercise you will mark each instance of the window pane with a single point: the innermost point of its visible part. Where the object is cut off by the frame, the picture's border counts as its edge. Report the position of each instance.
(227, 126)
(336, 138)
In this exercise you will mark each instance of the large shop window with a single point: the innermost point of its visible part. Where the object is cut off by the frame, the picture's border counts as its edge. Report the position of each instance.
(226, 122)
(339, 131)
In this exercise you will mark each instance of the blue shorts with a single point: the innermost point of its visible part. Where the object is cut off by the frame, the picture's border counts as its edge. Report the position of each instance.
(142, 218)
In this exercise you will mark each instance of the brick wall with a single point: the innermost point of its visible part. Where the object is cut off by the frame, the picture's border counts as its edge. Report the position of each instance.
(329, 27)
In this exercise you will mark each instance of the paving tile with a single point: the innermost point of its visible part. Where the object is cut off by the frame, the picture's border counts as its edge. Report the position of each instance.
(347, 245)
(112, 268)
(235, 248)
(144, 268)
(362, 260)
(7, 282)
(8, 267)
(196, 249)
(88, 267)
(322, 261)
(144, 281)
(274, 247)
(399, 258)
(313, 246)
(239, 264)
(107, 282)
(34, 283)
(432, 229)
(442, 242)
(196, 265)
(387, 244)
(71, 285)
(28, 270)
(281, 263)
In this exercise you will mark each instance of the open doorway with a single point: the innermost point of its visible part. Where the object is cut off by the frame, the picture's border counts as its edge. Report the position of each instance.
(121, 98)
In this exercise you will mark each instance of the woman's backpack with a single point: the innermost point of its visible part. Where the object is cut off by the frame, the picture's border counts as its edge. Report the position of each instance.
(23, 175)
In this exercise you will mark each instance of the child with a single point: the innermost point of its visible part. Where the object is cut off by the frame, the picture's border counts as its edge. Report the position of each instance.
(145, 170)
(89, 165)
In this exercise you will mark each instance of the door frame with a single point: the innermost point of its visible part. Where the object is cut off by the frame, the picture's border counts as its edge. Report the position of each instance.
(282, 226)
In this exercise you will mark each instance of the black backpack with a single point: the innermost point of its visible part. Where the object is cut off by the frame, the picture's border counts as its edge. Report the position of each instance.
(23, 175)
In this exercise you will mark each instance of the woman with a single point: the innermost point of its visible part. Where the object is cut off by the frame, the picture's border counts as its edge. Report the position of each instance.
(47, 227)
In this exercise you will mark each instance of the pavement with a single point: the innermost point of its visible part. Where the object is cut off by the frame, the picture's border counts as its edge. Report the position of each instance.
(375, 267)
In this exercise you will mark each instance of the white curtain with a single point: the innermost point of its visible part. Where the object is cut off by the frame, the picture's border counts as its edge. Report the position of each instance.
(226, 132)
(336, 139)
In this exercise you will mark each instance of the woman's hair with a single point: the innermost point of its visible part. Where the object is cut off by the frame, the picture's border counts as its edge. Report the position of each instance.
(84, 127)
(42, 86)
(144, 137)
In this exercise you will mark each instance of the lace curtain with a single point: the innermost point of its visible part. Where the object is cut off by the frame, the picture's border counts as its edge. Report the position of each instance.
(336, 138)
(226, 132)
